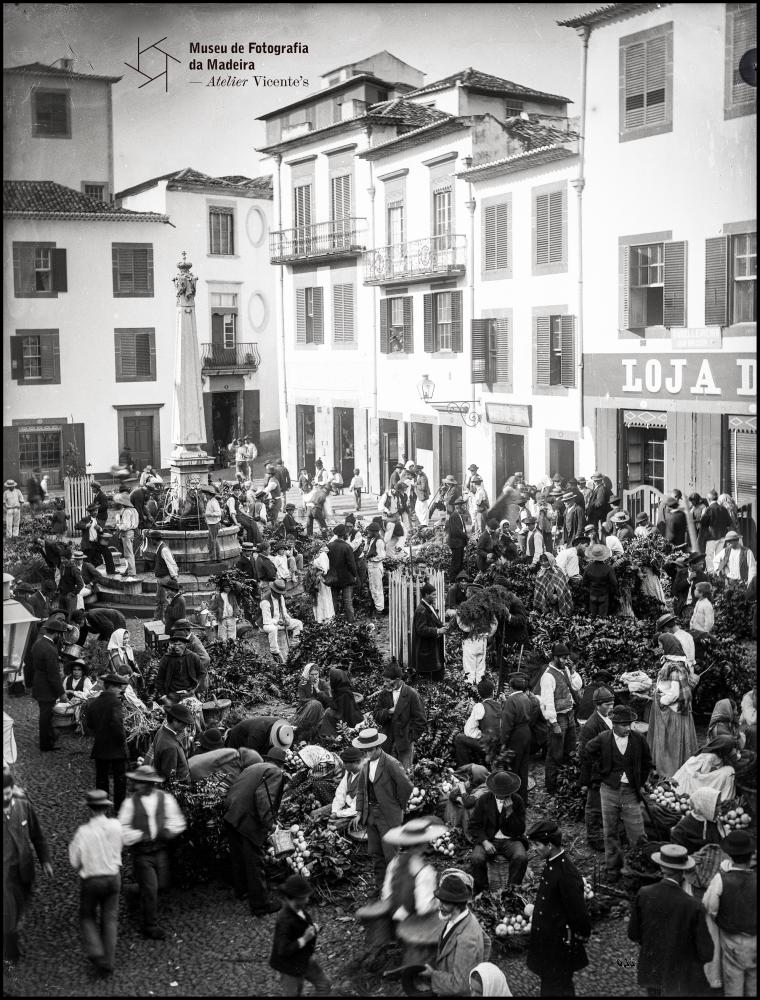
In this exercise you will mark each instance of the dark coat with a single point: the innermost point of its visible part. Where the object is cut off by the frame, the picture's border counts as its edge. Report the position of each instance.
(573, 523)
(427, 645)
(253, 801)
(178, 673)
(600, 579)
(252, 733)
(559, 913)
(392, 789)
(486, 547)
(287, 956)
(245, 566)
(456, 532)
(105, 721)
(169, 757)
(600, 753)
(484, 821)
(674, 527)
(22, 829)
(104, 621)
(595, 726)
(408, 721)
(342, 571)
(47, 682)
(516, 713)
(675, 943)
(713, 524)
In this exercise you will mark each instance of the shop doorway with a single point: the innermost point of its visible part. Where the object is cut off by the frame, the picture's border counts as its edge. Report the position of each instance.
(422, 447)
(343, 442)
(225, 418)
(645, 457)
(137, 441)
(305, 438)
(451, 453)
(510, 458)
(388, 450)
(561, 458)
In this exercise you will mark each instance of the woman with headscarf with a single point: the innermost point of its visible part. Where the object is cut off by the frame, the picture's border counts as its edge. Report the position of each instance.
(324, 610)
(313, 698)
(700, 825)
(343, 706)
(672, 736)
(733, 511)
(552, 591)
(487, 980)
(121, 656)
(711, 767)
(724, 721)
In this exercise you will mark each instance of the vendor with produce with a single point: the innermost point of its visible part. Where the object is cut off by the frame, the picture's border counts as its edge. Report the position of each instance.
(711, 767)
(497, 827)
(343, 810)
(179, 671)
(671, 736)
(469, 783)
(261, 733)
(700, 825)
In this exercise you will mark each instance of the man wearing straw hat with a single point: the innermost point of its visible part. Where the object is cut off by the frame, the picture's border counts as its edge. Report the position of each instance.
(149, 817)
(13, 498)
(127, 522)
(600, 579)
(381, 798)
(671, 928)
(410, 881)
(213, 517)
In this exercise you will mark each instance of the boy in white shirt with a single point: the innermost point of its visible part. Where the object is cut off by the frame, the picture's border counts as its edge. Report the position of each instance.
(357, 485)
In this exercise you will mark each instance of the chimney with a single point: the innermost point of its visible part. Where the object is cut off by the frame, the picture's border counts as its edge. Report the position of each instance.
(67, 65)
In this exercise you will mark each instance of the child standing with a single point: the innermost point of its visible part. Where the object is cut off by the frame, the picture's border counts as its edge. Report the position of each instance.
(703, 617)
(337, 481)
(305, 486)
(357, 485)
(294, 941)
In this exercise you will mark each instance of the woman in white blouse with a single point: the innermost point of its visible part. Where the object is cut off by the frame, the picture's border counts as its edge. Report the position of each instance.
(324, 610)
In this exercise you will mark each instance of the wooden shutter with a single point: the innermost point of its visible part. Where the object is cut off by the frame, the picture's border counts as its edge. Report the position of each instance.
(457, 339)
(674, 280)
(716, 281)
(567, 364)
(635, 85)
(143, 270)
(217, 329)
(503, 366)
(115, 267)
(50, 367)
(541, 250)
(743, 38)
(302, 206)
(128, 365)
(624, 280)
(657, 63)
(429, 327)
(17, 358)
(497, 251)
(343, 314)
(385, 319)
(300, 315)
(23, 269)
(144, 356)
(341, 196)
(58, 265)
(543, 346)
(479, 339)
(408, 325)
(319, 321)
(556, 226)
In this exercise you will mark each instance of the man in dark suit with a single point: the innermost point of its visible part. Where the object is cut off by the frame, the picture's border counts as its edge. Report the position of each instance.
(559, 922)
(488, 548)
(574, 519)
(598, 722)
(342, 573)
(516, 716)
(104, 717)
(400, 715)
(671, 928)
(102, 621)
(427, 636)
(47, 683)
(252, 805)
(497, 827)
(381, 798)
(456, 536)
(713, 525)
(266, 571)
(623, 762)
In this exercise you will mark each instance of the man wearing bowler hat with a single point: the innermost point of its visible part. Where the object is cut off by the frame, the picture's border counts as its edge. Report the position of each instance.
(47, 683)
(180, 671)
(598, 722)
(456, 536)
(560, 685)
(559, 921)
(400, 715)
(671, 928)
(149, 817)
(731, 900)
(169, 757)
(461, 944)
(497, 826)
(622, 760)
(381, 798)
(104, 720)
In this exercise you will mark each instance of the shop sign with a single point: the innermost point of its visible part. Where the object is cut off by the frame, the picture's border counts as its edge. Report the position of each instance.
(698, 338)
(508, 413)
(668, 376)
(38, 428)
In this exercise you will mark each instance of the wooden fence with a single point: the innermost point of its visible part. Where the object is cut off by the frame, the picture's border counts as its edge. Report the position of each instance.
(403, 597)
(77, 494)
(643, 498)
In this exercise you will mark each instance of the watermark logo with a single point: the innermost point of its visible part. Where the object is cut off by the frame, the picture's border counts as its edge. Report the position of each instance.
(149, 59)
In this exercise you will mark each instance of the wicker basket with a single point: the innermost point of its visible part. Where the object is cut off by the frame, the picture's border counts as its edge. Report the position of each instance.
(498, 874)
(282, 842)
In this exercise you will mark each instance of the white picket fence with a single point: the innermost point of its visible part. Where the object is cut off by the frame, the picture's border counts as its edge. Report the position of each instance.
(403, 597)
(77, 494)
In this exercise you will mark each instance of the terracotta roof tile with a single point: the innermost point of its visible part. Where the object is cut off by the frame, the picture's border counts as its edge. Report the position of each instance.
(483, 81)
(46, 199)
(40, 69)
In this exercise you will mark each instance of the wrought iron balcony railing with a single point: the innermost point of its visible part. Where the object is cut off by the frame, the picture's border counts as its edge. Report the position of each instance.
(243, 356)
(339, 237)
(415, 260)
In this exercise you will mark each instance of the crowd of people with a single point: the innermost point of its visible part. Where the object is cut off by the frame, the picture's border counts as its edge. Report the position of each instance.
(568, 533)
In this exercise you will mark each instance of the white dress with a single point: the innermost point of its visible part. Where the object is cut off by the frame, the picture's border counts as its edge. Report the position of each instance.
(324, 610)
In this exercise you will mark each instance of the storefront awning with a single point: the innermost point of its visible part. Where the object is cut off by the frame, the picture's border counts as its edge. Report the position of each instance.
(747, 425)
(645, 418)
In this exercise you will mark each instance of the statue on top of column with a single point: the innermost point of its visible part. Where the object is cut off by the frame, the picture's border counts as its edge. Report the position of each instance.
(185, 283)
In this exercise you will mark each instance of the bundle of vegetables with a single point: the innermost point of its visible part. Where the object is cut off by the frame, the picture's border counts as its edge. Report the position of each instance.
(335, 643)
(569, 801)
(618, 645)
(506, 916)
(731, 672)
(321, 855)
(202, 852)
(244, 589)
(237, 672)
(445, 844)
(298, 861)
(480, 608)
(447, 706)
(516, 577)
(733, 609)
(311, 580)
(140, 727)
(734, 815)
(420, 795)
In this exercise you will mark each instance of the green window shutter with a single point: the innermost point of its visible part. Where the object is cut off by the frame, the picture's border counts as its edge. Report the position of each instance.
(543, 373)
(408, 325)
(624, 279)
(319, 322)
(429, 331)
(567, 363)
(674, 284)
(541, 249)
(17, 358)
(300, 316)
(58, 264)
(457, 340)
(716, 281)
(479, 339)
(556, 226)
(23, 269)
(503, 366)
(385, 308)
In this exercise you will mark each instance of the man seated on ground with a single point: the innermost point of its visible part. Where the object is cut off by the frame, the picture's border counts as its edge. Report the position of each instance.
(482, 731)
(498, 830)
(469, 785)
(343, 812)
(179, 671)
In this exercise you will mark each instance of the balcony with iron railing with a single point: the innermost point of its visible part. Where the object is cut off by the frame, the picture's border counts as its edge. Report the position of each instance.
(241, 357)
(416, 260)
(322, 241)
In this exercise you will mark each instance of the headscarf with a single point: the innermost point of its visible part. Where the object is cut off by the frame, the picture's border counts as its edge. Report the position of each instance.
(121, 644)
(551, 580)
(307, 670)
(733, 511)
(343, 696)
(704, 804)
(724, 720)
(493, 979)
(722, 746)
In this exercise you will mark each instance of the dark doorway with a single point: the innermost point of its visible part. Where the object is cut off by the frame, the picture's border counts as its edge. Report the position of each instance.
(510, 458)
(138, 438)
(305, 438)
(224, 417)
(343, 442)
(645, 457)
(388, 450)
(561, 458)
(451, 453)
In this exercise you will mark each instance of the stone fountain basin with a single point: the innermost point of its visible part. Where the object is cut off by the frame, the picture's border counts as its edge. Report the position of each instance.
(190, 549)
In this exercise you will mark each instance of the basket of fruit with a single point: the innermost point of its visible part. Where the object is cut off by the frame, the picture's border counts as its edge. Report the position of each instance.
(734, 815)
(638, 861)
(444, 845)
(416, 799)
(664, 807)
(514, 924)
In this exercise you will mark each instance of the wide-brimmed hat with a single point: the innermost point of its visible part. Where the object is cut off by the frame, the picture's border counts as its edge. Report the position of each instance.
(529, 520)
(622, 713)
(737, 844)
(696, 557)
(642, 518)
(373, 528)
(296, 886)
(569, 496)
(621, 517)
(732, 536)
(590, 529)
(97, 799)
(211, 739)
(674, 856)
(598, 553)
(181, 713)
(10, 484)
(450, 480)
(77, 661)
(455, 887)
(667, 619)
(147, 774)
(248, 546)
(278, 586)
(420, 830)
(503, 783)
(472, 468)
(209, 488)
(581, 480)
(122, 500)
(368, 738)
(281, 734)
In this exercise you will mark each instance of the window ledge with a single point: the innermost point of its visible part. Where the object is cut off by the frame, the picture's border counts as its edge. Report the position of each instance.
(645, 131)
(442, 355)
(550, 390)
(397, 355)
(740, 330)
(227, 256)
(308, 347)
(559, 268)
(345, 347)
(133, 295)
(35, 295)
